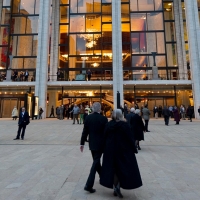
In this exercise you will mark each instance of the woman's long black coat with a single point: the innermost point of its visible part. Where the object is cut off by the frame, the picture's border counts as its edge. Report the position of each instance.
(119, 157)
(138, 127)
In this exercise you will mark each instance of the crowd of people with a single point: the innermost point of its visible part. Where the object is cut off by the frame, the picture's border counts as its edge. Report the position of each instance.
(74, 112)
(21, 76)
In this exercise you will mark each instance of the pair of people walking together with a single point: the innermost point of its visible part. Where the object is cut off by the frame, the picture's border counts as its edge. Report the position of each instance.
(115, 141)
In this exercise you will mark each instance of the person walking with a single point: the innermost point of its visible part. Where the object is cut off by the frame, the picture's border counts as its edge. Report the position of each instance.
(61, 110)
(182, 112)
(138, 127)
(130, 116)
(82, 111)
(146, 116)
(171, 111)
(166, 115)
(199, 110)
(75, 111)
(40, 113)
(94, 126)
(14, 113)
(155, 111)
(22, 123)
(125, 110)
(159, 111)
(119, 167)
(52, 112)
(58, 112)
(85, 115)
(190, 112)
(176, 115)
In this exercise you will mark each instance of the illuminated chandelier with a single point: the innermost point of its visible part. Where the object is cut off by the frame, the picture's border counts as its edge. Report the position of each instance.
(90, 37)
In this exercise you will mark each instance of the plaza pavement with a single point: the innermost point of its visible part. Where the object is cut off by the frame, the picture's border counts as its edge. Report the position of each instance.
(48, 164)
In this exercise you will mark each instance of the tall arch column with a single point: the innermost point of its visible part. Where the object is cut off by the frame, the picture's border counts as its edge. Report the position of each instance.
(117, 53)
(193, 28)
(43, 54)
(180, 40)
(54, 39)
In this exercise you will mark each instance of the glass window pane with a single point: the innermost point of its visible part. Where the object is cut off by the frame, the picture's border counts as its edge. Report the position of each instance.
(5, 16)
(64, 35)
(85, 6)
(168, 11)
(72, 44)
(37, 6)
(170, 31)
(6, 2)
(125, 12)
(139, 61)
(155, 21)
(24, 45)
(64, 1)
(27, 7)
(107, 28)
(151, 42)
(73, 6)
(32, 24)
(30, 63)
(3, 57)
(64, 14)
(17, 63)
(133, 5)
(138, 21)
(171, 54)
(106, 1)
(135, 41)
(93, 23)
(77, 23)
(158, 5)
(145, 5)
(160, 61)
(4, 36)
(97, 5)
(160, 42)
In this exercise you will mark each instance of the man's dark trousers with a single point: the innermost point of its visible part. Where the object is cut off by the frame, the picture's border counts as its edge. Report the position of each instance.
(166, 120)
(96, 167)
(23, 128)
(146, 125)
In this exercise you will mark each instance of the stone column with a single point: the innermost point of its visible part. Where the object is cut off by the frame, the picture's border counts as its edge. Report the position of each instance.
(117, 53)
(54, 57)
(193, 28)
(43, 53)
(180, 42)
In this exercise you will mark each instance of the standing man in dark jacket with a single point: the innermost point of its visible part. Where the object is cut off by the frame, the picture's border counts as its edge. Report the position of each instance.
(94, 126)
(22, 123)
(166, 114)
(190, 112)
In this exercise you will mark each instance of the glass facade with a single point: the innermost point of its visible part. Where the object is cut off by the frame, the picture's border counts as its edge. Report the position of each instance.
(19, 36)
(85, 39)
(148, 26)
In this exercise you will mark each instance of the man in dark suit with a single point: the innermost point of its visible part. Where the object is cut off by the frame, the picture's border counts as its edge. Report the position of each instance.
(22, 123)
(94, 126)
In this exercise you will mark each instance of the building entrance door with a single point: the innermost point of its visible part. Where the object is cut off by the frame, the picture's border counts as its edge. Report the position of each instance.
(7, 107)
(155, 101)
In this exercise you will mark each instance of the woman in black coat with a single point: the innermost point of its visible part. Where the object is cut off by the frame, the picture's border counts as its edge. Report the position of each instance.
(119, 167)
(176, 115)
(139, 128)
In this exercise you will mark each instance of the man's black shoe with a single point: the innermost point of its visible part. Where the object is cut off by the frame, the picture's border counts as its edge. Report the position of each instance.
(147, 131)
(22, 138)
(16, 139)
(91, 190)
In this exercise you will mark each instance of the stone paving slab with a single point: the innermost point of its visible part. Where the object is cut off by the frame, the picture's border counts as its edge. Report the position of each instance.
(48, 164)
